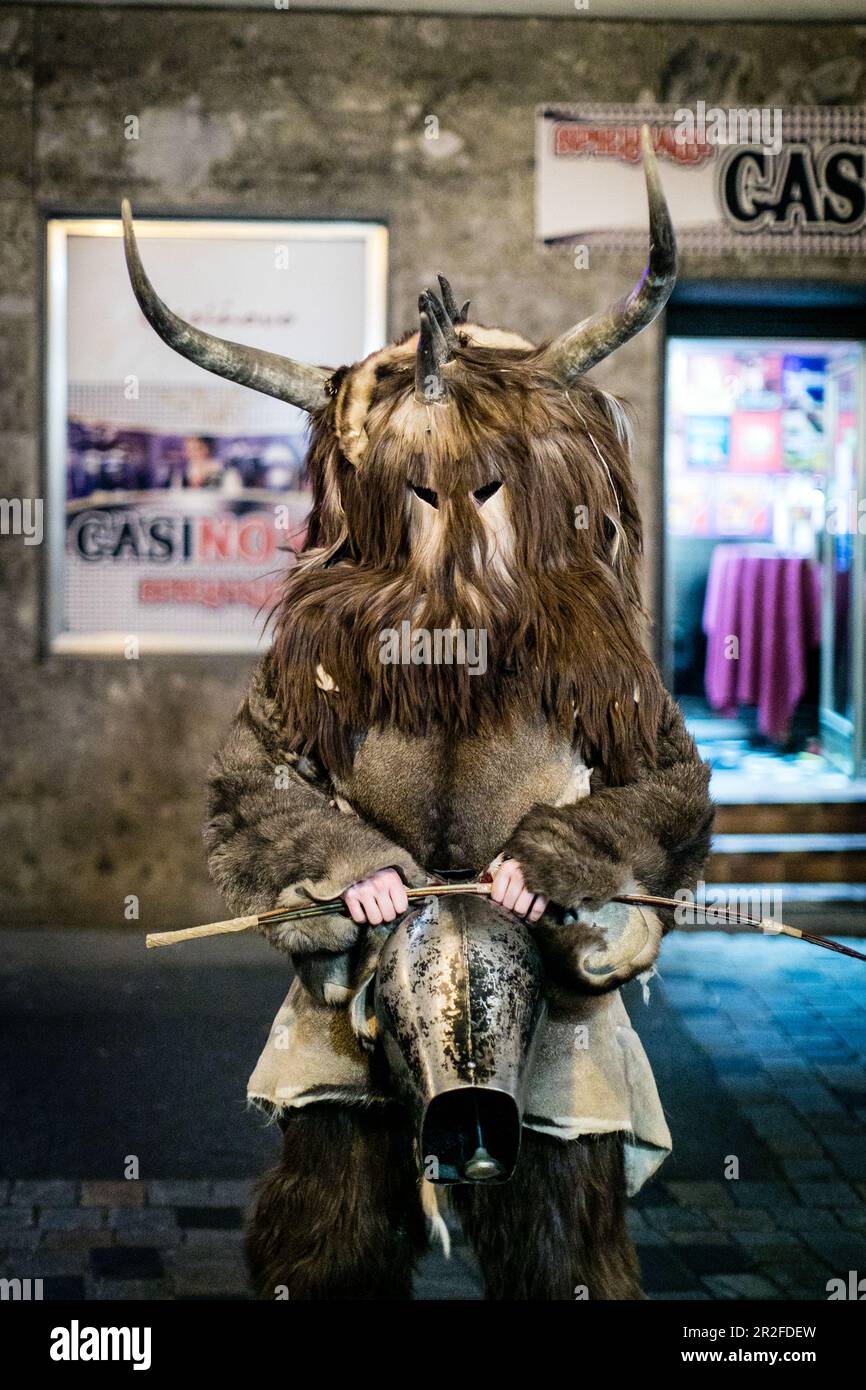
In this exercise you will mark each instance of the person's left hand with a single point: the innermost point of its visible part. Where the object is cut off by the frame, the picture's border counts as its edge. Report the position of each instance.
(510, 891)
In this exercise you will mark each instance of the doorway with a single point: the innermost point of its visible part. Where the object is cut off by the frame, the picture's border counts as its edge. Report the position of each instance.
(765, 529)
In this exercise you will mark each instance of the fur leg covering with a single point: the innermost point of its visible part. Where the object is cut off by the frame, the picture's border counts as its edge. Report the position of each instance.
(340, 1217)
(557, 1230)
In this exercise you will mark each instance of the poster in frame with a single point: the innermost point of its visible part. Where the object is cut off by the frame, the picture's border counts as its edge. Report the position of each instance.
(172, 495)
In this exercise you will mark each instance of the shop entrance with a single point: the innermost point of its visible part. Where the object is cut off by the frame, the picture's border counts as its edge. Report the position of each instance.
(765, 530)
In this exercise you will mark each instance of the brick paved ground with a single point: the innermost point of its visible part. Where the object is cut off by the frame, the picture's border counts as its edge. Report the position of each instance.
(783, 1025)
(759, 1049)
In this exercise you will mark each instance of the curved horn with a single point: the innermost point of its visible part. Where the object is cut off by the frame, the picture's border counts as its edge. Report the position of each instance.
(282, 377)
(431, 355)
(595, 338)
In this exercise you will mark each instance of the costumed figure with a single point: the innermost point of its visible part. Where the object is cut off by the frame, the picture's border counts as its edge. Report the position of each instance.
(458, 682)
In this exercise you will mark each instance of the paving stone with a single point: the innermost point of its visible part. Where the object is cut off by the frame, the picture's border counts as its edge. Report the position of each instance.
(215, 1240)
(652, 1237)
(780, 1243)
(741, 1286)
(700, 1194)
(127, 1262)
(211, 1218)
(732, 1067)
(663, 1270)
(113, 1194)
(847, 1079)
(681, 1296)
(706, 1259)
(825, 1123)
(19, 1238)
(765, 1045)
(77, 1240)
(841, 1250)
(805, 1292)
(776, 1122)
(741, 1219)
(184, 1192)
(637, 1226)
(653, 1194)
(708, 1237)
(231, 1194)
(797, 1281)
(52, 1192)
(42, 1264)
(808, 1169)
(790, 1146)
(770, 1196)
(849, 1151)
(5, 1189)
(669, 1218)
(70, 1219)
(807, 1219)
(747, 1090)
(194, 1274)
(145, 1226)
(15, 1219)
(63, 1288)
(826, 1194)
(126, 1290)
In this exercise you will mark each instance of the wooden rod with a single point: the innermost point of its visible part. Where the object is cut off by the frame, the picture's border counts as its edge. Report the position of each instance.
(730, 916)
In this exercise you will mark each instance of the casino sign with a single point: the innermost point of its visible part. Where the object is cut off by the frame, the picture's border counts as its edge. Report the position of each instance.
(760, 179)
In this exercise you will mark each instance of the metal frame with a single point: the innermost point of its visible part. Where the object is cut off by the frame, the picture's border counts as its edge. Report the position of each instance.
(845, 738)
(374, 235)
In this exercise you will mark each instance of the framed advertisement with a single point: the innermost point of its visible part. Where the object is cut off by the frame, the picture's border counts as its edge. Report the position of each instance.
(172, 495)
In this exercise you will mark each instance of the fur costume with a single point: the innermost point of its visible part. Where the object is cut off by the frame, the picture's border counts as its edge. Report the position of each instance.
(463, 480)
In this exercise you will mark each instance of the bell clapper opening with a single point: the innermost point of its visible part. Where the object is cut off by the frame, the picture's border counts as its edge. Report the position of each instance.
(481, 1166)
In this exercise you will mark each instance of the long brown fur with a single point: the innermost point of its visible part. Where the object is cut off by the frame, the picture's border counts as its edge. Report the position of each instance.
(561, 610)
(339, 1217)
(557, 1230)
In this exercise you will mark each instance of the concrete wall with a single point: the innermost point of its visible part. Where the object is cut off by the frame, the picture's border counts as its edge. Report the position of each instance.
(291, 114)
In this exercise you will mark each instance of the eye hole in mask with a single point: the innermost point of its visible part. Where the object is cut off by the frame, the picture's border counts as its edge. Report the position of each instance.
(489, 490)
(426, 494)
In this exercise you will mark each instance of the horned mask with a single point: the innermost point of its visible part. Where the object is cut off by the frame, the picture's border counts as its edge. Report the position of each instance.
(463, 478)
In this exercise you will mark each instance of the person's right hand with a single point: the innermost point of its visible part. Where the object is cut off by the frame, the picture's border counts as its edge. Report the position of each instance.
(379, 898)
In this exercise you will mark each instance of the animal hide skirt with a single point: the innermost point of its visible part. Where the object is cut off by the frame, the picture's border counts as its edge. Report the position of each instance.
(590, 1073)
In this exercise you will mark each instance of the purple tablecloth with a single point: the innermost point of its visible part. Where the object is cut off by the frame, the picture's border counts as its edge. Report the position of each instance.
(771, 604)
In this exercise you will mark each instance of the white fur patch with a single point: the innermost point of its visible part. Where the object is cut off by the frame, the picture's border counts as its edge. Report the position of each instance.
(438, 1227)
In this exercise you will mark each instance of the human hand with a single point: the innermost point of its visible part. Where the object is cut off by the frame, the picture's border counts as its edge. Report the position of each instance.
(510, 891)
(381, 897)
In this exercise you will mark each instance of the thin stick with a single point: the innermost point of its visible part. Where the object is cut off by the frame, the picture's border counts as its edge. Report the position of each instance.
(733, 917)
(169, 938)
(278, 915)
